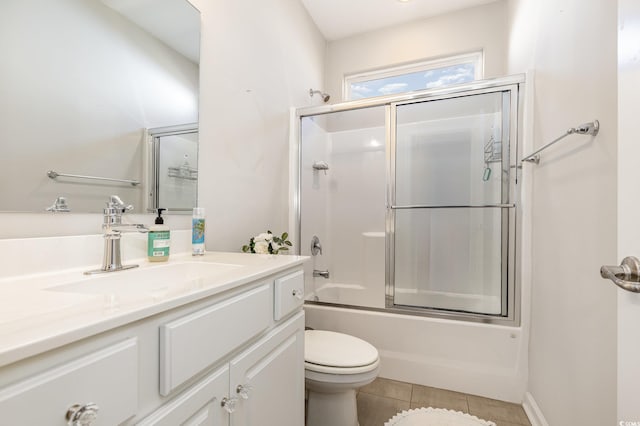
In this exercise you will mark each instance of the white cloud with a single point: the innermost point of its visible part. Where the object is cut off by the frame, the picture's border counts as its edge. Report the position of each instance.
(462, 75)
(360, 89)
(392, 88)
(360, 92)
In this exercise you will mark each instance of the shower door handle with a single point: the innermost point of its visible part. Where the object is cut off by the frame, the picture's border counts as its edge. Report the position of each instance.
(625, 276)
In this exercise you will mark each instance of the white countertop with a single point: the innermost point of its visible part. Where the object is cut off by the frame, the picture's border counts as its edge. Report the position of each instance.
(42, 311)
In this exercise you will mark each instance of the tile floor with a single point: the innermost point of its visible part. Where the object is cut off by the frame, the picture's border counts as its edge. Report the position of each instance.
(383, 398)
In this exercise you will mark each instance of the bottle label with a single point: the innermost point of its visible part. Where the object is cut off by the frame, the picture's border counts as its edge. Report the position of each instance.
(159, 244)
(197, 236)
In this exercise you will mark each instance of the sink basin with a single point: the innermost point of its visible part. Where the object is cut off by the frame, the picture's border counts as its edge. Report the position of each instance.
(155, 281)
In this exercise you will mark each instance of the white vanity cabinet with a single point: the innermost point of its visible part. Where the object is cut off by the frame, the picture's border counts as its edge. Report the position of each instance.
(102, 384)
(235, 358)
(261, 386)
(264, 382)
(268, 379)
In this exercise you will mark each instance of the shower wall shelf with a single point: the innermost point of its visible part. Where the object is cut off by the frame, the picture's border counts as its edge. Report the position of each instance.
(493, 151)
(592, 128)
(183, 172)
(53, 175)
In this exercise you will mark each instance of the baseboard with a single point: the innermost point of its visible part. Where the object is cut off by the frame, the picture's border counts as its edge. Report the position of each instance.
(533, 411)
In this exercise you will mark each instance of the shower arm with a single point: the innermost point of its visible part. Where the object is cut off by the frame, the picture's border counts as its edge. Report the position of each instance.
(325, 96)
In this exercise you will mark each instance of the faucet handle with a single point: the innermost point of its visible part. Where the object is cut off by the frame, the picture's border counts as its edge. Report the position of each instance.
(116, 203)
(316, 247)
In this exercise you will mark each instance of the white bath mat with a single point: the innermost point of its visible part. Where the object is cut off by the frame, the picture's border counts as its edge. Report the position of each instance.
(435, 417)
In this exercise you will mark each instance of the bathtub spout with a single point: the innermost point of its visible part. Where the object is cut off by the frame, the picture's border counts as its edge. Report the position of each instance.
(323, 274)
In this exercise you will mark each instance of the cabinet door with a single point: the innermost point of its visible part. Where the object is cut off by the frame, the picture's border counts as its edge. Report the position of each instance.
(200, 405)
(268, 378)
(107, 378)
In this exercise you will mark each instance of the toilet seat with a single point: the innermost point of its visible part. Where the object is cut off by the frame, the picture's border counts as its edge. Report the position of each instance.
(340, 370)
(337, 353)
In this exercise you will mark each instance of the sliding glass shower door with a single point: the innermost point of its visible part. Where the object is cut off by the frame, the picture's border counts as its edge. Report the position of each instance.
(451, 206)
(407, 204)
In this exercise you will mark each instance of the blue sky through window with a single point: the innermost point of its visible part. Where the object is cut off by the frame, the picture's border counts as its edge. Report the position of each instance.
(419, 80)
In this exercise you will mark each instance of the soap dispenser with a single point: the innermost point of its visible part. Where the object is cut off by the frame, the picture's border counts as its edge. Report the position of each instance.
(159, 240)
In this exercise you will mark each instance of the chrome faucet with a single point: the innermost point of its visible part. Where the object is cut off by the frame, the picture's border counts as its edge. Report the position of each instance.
(113, 228)
(323, 274)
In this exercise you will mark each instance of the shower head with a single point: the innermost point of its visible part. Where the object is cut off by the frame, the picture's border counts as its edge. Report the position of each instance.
(325, 96)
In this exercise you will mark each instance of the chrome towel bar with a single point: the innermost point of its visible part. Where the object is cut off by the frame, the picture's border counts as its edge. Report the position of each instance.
(626, 276)
(477, 206)
(53, 174)
(591, 128)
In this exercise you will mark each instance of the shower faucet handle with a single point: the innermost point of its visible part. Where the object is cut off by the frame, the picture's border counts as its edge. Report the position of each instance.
(316, 247)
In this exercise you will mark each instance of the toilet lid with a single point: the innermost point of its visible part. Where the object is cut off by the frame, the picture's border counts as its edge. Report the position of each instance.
(337, 350)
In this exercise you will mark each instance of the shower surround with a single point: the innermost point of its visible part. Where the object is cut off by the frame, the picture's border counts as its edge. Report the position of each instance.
(416, 212)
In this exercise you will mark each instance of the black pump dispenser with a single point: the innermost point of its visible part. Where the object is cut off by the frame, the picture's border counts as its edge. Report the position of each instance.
(159, 219)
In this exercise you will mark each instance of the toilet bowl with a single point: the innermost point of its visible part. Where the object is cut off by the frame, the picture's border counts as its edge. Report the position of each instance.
(336, 365)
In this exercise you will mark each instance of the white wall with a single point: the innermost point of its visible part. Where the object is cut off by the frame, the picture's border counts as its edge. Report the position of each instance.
(258, 59)
(483, 27)
(571, 46)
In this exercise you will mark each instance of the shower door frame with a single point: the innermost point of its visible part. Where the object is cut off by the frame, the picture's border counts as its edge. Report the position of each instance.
(507, 207)
(511, 214)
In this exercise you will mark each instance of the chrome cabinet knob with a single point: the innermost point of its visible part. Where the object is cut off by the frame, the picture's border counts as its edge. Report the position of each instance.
(229, 404)
(82, 415)
(297, 293)
(243, 390)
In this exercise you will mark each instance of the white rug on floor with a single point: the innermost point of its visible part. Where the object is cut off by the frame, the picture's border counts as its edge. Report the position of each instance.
(435, 417)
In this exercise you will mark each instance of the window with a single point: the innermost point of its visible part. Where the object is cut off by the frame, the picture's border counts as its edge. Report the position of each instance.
(418, 76)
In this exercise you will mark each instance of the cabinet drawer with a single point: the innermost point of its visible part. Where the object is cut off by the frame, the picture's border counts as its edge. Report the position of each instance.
(107, 378)
(192, 343)
(200, 405)
(289, 294)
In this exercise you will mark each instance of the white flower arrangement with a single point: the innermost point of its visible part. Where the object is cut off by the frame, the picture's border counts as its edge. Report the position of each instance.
(267, 243)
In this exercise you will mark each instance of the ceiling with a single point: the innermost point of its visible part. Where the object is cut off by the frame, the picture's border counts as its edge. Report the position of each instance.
(338, 19)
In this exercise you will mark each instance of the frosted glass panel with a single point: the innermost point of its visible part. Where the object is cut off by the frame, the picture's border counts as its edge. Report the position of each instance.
(449, 259)
(450, 152)
(344, 205)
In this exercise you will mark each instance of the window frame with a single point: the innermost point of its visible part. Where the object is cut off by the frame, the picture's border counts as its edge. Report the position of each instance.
(476, 57)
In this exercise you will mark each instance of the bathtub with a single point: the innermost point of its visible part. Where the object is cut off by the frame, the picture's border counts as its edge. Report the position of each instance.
(480, 359)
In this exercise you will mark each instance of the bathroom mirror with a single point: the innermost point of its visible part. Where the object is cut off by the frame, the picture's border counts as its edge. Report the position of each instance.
(82, 83)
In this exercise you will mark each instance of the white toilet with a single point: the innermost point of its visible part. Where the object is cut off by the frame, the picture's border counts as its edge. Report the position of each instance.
(336, 365)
